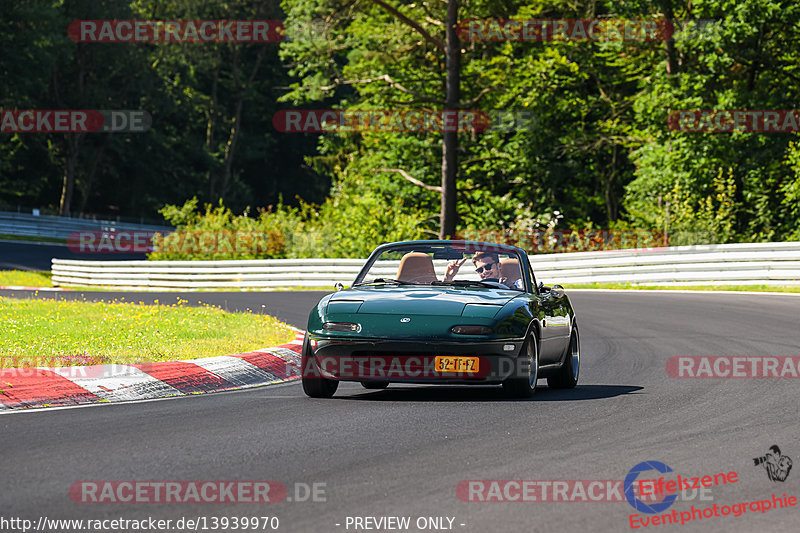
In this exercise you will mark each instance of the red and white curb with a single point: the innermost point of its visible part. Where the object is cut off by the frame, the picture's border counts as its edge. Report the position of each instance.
(22, 388)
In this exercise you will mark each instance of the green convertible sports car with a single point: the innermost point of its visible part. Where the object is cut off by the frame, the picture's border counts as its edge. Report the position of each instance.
(443, 312)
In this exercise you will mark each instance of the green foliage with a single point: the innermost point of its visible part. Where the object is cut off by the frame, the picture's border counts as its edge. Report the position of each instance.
(352, 225)
(571, 157)
(347, 225)
(740, 62)
(192, 92)
(706, 220)
(597, 149)
(791, 188)
(216, 234)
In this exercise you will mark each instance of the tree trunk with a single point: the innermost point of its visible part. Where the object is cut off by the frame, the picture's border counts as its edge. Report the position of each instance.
(72, 140)
(230, 147)
(68, 182)
(448, 214)
(88, 183)
(210, 125)
(611, 200)
(669, 45)
(236, 123)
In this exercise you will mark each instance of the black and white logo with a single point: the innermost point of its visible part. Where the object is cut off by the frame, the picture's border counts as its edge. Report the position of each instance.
(778, 466)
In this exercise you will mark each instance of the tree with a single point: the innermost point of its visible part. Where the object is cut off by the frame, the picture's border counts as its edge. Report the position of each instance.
(430, 45)
(745, 60)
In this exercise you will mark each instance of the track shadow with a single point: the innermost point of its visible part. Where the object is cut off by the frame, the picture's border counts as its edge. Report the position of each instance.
(440, 393)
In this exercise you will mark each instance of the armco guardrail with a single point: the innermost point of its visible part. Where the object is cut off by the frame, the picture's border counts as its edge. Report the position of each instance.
(53, 227)
(722, 264)
(262, 273)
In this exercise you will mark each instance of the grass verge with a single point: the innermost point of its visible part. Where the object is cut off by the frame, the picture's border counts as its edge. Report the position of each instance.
(32, 238)
(32, 278)
(62, 333)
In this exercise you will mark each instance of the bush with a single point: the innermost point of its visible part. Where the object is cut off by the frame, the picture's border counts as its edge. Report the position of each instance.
(216, 234)
(347, 225)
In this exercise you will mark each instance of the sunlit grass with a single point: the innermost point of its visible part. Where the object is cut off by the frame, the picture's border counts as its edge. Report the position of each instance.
(25, 278)
(31, 238)
(64, 333)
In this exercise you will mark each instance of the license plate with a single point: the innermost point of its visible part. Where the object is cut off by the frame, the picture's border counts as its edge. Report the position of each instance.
(467, 365)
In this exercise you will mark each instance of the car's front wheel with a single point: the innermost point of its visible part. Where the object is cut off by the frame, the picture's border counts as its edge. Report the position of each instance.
(567, 377)
(523, 383)
(314, 385)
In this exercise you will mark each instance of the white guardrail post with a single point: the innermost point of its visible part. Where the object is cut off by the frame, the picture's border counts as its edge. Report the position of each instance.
(720, 264)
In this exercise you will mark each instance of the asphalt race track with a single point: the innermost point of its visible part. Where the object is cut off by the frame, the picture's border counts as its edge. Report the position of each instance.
(403, 451)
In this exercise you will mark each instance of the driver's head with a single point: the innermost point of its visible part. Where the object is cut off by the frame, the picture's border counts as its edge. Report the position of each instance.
(487, 265)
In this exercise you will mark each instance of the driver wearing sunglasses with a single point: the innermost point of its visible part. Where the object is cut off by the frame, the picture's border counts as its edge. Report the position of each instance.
(487, 265)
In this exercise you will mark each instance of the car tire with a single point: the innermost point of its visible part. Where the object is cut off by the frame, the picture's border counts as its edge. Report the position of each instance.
(567, 376)
(375, 384)
(525, 385)
(314, 385)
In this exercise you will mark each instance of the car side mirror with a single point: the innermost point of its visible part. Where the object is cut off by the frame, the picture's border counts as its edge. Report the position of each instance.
(338, 286)
(557, 290)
